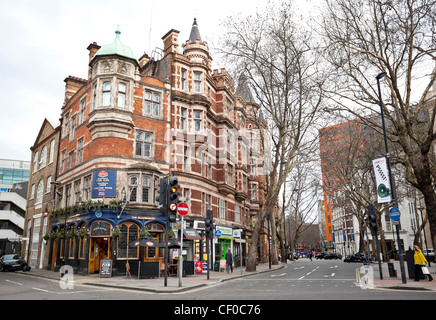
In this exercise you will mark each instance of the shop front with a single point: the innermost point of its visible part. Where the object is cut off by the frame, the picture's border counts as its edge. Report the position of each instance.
(91, 238)
(223, 243)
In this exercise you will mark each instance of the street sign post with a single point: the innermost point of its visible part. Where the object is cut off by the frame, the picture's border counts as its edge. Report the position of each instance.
(182, 209)
(394, 214)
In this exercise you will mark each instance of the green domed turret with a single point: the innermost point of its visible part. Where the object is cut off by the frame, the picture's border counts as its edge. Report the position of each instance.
(116, 47)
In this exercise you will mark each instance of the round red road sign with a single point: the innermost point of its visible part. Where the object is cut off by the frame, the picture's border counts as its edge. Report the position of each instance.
(182, 209)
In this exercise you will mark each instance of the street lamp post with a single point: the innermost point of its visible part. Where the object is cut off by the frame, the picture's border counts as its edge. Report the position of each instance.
(393, 200)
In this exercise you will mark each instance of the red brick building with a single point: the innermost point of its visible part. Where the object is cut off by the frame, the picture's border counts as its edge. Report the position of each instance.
(131, 123)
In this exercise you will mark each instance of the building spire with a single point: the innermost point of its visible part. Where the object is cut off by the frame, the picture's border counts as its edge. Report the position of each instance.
(195, 33)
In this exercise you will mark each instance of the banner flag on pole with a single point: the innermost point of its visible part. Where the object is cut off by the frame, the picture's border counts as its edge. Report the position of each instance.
(382, 180)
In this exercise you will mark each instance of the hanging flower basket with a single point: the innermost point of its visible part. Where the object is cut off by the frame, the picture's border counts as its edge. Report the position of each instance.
(82, 232)
(117, 231)
(71, 233)
(144, 232)
(115, 205)
(46, 237)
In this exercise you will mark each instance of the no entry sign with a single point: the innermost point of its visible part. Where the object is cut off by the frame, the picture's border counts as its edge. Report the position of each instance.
(182, 209)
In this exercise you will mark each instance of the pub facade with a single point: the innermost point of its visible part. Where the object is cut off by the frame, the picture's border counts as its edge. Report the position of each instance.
(132, 122)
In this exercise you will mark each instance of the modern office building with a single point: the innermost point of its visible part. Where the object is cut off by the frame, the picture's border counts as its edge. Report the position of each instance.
(14, 176)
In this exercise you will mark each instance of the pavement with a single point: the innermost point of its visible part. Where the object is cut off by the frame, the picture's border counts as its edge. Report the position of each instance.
(195, 281)
(157, 284)
(397, 282)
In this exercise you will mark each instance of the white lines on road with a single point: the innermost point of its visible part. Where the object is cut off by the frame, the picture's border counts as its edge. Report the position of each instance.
(308, 273)
(278, 275)
(17, 283)
(326, 275)
(61, 292)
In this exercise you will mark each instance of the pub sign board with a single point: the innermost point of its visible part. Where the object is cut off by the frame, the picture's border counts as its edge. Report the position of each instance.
(104, 184)
(106, 268)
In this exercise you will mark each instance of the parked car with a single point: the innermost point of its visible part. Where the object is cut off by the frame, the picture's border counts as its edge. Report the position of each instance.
(428, 252)
(320, 255)
(353, 258)
(333, 255)
(296, 256)
(12, 262)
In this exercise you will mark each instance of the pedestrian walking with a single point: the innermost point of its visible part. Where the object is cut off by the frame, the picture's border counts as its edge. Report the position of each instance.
(229, 261)
(420, 262)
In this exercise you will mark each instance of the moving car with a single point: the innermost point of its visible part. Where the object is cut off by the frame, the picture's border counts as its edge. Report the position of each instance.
(12, 262)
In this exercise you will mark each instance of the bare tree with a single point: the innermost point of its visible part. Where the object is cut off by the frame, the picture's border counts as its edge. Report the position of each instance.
(277, 58)
(303, 187)
(396, 37)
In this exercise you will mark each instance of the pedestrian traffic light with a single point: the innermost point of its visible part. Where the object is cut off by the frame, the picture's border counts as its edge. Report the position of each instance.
(209, 224)
(173, 197)
(372, 220)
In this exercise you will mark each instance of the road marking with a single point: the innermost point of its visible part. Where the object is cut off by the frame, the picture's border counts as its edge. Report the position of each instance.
(43, 290)
(326, 275)
(20, 284)
(308, 273)
(278, 275)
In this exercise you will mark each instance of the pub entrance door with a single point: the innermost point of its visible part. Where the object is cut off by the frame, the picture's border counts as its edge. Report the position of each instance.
(99, 248)
(100, 244)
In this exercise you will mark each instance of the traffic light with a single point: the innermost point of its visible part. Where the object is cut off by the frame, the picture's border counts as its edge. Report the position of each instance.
(372, 220)
(209, 224)
(173, 197)
(162, 195)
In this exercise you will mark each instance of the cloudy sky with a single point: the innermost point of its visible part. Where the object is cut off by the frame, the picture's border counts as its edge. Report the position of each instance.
(45, 41)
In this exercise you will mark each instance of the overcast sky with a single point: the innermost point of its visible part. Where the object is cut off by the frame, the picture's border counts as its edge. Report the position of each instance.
(45, 41)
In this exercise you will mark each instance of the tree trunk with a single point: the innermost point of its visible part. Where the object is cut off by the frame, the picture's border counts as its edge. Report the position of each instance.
(274, 258)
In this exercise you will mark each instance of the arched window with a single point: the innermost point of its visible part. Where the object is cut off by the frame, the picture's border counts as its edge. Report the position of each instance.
(157, 232)
(71, 241)
(39, 191)
(43, 158)
(35, 161)
(82, 240)
(129, 233)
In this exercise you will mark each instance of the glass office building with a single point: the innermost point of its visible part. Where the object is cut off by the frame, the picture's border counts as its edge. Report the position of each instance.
(13, 171)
